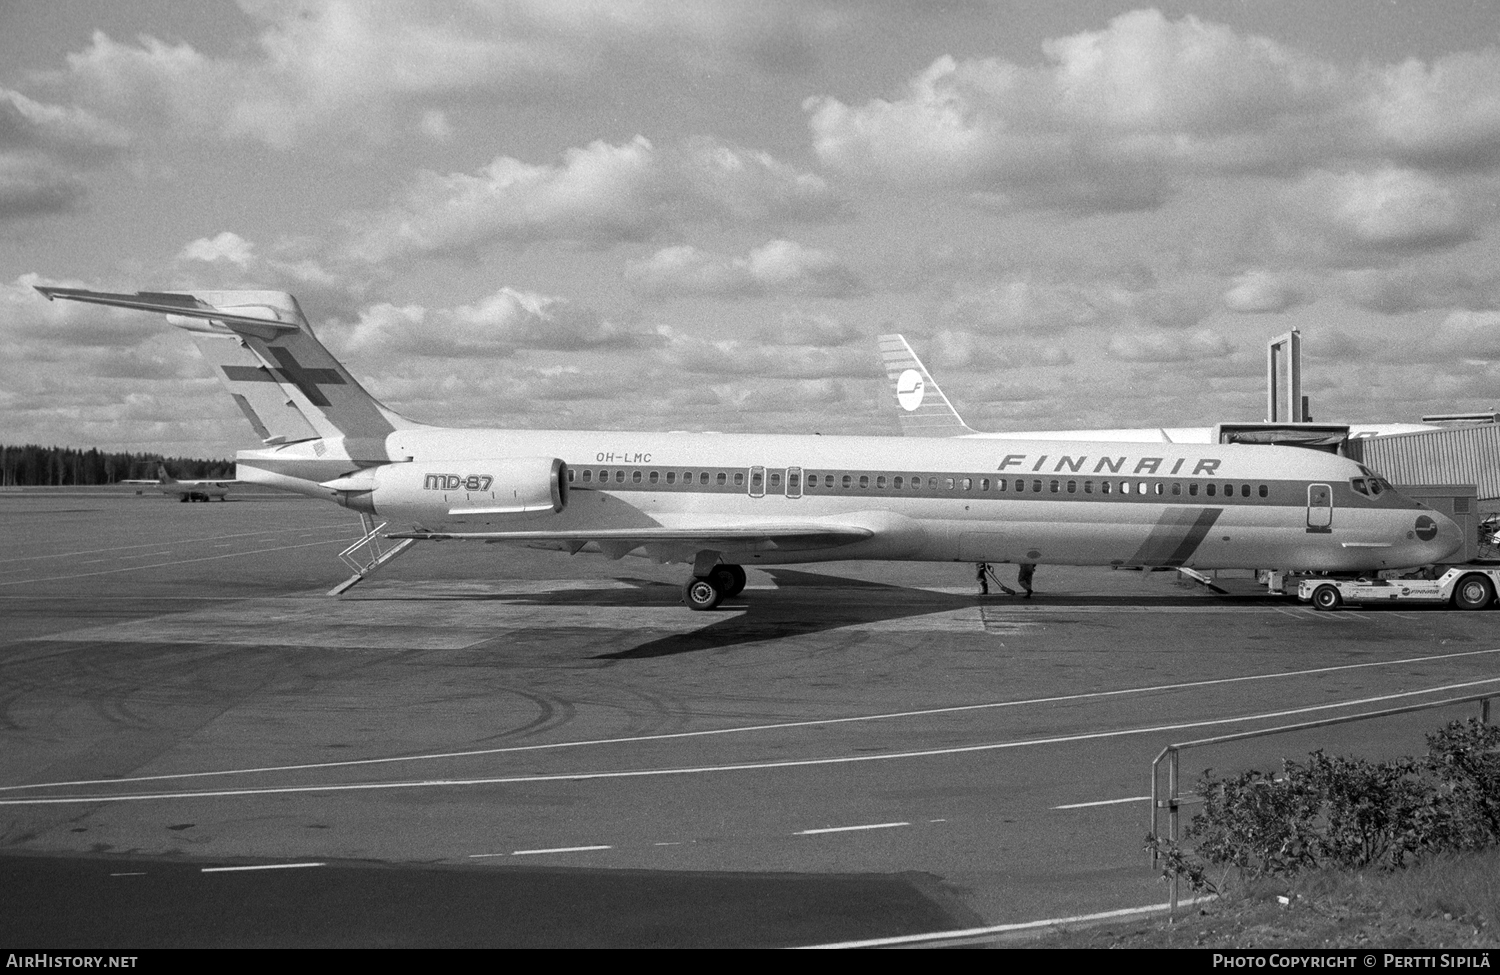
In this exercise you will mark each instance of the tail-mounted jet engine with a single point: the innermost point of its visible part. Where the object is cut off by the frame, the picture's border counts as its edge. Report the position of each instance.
(433, 491)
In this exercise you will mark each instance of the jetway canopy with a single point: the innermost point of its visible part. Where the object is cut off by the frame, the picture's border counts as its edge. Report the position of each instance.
(1463, 455)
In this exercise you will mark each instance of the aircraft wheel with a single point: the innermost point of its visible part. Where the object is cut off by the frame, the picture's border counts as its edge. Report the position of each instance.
(701, 594)
(184, 499)
(1327, 597)
(1473, 592)
(728, 579)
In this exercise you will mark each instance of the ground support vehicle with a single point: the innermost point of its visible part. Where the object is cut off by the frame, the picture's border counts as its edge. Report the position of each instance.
(1463, 586)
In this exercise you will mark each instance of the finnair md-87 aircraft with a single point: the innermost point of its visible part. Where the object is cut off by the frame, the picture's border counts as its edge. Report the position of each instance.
(719, 502)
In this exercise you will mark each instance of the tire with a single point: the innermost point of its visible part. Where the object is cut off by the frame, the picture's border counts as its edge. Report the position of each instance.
(1327, 598)
(700, 594)
(728, 579)
(1473, 592)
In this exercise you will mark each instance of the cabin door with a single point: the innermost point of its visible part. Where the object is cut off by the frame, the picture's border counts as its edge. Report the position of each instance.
(1319, 508)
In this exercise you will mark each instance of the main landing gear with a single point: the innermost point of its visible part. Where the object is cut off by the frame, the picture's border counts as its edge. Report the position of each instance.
(723, 581)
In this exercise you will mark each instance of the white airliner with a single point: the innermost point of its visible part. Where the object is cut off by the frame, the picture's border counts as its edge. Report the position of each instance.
(924, 411)
(186, 490)
(718, 502)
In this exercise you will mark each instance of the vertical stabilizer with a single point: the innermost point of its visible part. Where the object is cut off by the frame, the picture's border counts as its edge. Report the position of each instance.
(262, 349)
(921, 406)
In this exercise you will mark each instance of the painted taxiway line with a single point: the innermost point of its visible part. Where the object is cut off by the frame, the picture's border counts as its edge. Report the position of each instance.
(848, 829)
(181, 541)
(262, 866)
(163, 565)
(733, 767)
(1103, 802)
(560, 849)
(749, 729)
(998, 929)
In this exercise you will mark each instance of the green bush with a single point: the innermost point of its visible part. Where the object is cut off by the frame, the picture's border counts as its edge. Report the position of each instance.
(1338, 812)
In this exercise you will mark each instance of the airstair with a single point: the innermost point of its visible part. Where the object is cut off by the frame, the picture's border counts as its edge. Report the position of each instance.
(372, 551)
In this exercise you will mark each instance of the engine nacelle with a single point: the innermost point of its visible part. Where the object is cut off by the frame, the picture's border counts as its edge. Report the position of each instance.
(431, 492)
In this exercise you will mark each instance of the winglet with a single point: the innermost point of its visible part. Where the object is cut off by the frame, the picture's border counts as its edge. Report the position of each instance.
(923, 409)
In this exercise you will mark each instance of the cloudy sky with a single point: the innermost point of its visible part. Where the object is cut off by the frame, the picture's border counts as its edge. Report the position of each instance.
(699, 214)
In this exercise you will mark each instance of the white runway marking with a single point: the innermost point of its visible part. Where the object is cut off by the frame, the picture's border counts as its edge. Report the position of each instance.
(162, 565)
(779, 726)
(973, 933)
(735, 767)
(262, 866)
(1104, 802)
(849, 829)
(560, 849)
(182, 541)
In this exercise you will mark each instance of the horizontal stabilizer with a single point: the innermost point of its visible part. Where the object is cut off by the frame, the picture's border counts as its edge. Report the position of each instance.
(183, 305)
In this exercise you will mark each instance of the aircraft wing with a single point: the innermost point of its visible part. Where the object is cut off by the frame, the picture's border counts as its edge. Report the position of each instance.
(802, 535)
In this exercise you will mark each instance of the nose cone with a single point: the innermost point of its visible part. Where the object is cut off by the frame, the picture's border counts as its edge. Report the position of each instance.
(1434, 537)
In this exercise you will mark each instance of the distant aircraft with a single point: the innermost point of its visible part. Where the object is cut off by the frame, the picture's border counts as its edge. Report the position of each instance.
(187, 490)
(718, 502)
(924, 411)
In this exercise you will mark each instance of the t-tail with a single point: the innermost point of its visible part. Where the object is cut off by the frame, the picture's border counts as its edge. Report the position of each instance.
(925, 411)
(162, 476)
(301, 401)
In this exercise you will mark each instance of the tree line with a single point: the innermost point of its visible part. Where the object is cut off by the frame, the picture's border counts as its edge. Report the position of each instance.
(32, 465)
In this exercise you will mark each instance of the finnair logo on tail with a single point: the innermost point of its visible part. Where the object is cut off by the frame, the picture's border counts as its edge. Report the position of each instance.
(909, 389)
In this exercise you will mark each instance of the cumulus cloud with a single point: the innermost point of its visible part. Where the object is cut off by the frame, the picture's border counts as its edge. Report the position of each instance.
(598, 194)
(1262, 292)
(324, 68)
(1395, 291)
(1116, 119)
(778, 267)
(498, 324)
(1161, 347)
(1038, 304)
(44, 149)
(1387, 209)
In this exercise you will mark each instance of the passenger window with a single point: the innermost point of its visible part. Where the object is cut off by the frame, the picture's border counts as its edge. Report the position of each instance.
(1036, 487)
(655, 476)
(1158, 487)
(635, 477)
(898, 483)
(932, 484)
(671, 477)
(1072, 487)
(984, 484)
(739, 478)
(1124, 487)
(722, 479)
(791, 481)
(1141, 487)
(703, 478)
(1104, 486)
(847, 481)
(775, 481)
(570, 475)
(1000, 484)
(1088, 487)
(880, 481)
(620, 477)
(1263, 491)
(947, 483)
(1052, 486)
(864, 480)
(1176, 488)
(967, 484)
(1208, 489)
(587, 476)
(1193, 489)
(1244, 490)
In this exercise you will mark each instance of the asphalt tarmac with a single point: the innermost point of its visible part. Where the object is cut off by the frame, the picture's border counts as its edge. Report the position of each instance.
(492, 746)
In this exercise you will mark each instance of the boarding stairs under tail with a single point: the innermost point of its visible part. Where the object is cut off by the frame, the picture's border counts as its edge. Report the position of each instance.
(369, 553)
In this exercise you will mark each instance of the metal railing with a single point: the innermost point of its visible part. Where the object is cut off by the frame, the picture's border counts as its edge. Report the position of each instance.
(1171, 804)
